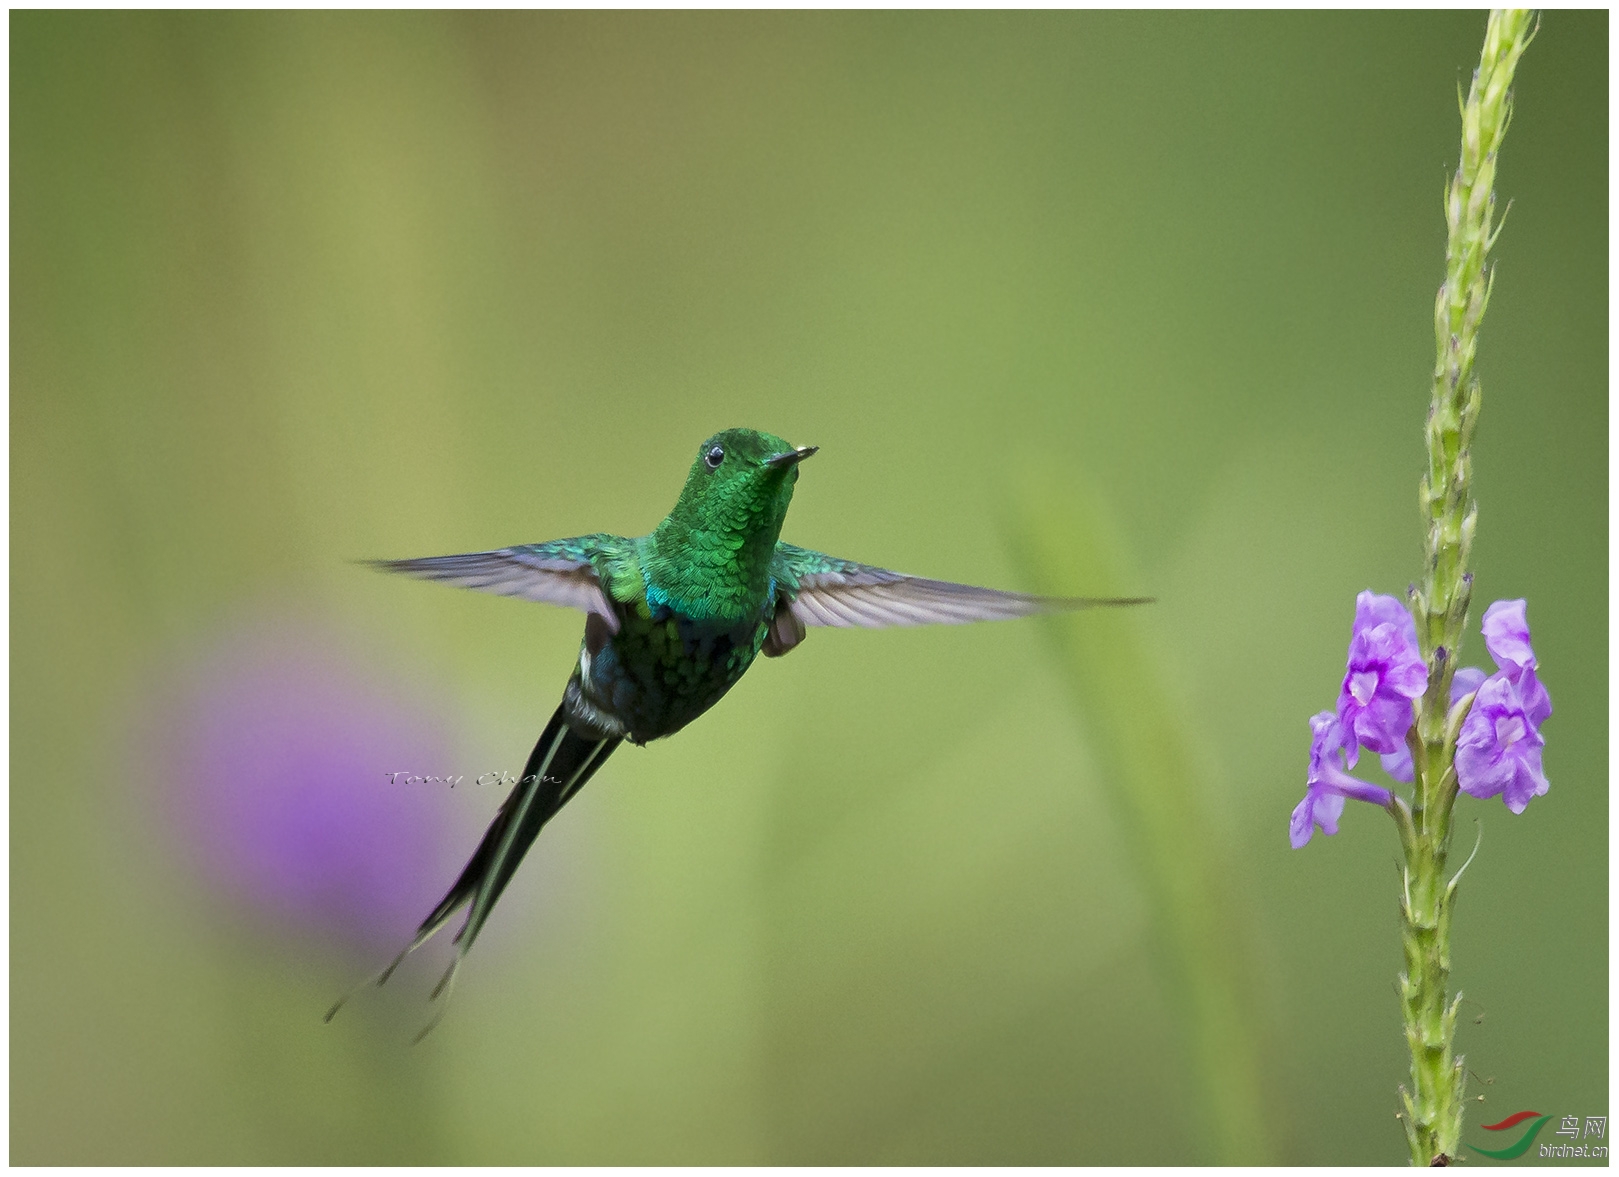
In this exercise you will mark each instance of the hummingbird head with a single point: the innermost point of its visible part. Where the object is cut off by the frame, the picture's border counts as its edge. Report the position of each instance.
(738, 490)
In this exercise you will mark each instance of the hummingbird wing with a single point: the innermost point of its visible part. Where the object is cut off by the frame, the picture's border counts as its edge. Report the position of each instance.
(562, 572)
(824, 590)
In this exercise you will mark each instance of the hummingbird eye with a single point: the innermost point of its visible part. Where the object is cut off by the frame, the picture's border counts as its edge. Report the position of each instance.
(714, 457)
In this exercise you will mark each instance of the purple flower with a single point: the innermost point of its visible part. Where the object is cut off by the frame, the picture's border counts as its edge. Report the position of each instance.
(1465, 681)
(274, 750)
(1398, 764)
(1498, 750)
(1385, 673)
(1328, 784)
(1506, 637)
(1499, 747)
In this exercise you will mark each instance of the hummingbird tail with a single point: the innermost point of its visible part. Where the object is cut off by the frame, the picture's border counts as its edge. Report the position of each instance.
(562, 761)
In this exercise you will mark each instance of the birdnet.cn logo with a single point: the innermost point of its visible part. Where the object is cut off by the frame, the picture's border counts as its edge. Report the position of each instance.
(1584, 1133)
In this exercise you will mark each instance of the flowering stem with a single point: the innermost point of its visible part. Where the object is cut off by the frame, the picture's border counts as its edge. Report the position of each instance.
(1433, 1103)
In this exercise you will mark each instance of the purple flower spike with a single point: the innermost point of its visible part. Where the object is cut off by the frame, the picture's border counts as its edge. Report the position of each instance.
(1385, 673)
(1499, 747)
(1327, 784)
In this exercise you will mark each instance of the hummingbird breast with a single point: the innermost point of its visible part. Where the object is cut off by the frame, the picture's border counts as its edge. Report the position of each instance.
(663, 668)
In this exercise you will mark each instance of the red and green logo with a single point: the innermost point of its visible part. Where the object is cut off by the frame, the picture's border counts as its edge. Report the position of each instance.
(1523, 1142)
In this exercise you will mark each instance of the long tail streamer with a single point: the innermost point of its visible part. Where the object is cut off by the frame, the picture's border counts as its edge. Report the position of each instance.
(561, 763)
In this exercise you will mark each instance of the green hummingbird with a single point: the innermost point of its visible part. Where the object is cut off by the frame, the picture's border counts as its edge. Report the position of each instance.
(673, 620)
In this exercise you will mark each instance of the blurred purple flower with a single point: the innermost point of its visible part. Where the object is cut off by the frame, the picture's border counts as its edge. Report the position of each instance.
(1327, 784)
(1385, 673)
(277, 749)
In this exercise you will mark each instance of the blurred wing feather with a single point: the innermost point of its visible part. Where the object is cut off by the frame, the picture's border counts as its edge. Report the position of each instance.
(826, 591)
(559, 573)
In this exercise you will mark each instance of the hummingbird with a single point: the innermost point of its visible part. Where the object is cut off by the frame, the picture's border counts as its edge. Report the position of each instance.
(672, 620)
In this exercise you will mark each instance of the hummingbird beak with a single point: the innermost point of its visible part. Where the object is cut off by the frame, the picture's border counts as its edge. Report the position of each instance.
(790, 457)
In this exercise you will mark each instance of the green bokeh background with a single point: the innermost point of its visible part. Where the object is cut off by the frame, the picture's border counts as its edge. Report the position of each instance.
(290, 290)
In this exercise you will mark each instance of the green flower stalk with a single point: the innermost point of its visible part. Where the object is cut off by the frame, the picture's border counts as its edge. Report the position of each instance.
(1433, 1103)
(1440, 605)
(1441, 728)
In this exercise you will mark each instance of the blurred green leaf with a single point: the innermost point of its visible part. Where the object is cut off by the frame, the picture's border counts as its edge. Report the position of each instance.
(1153, 777)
